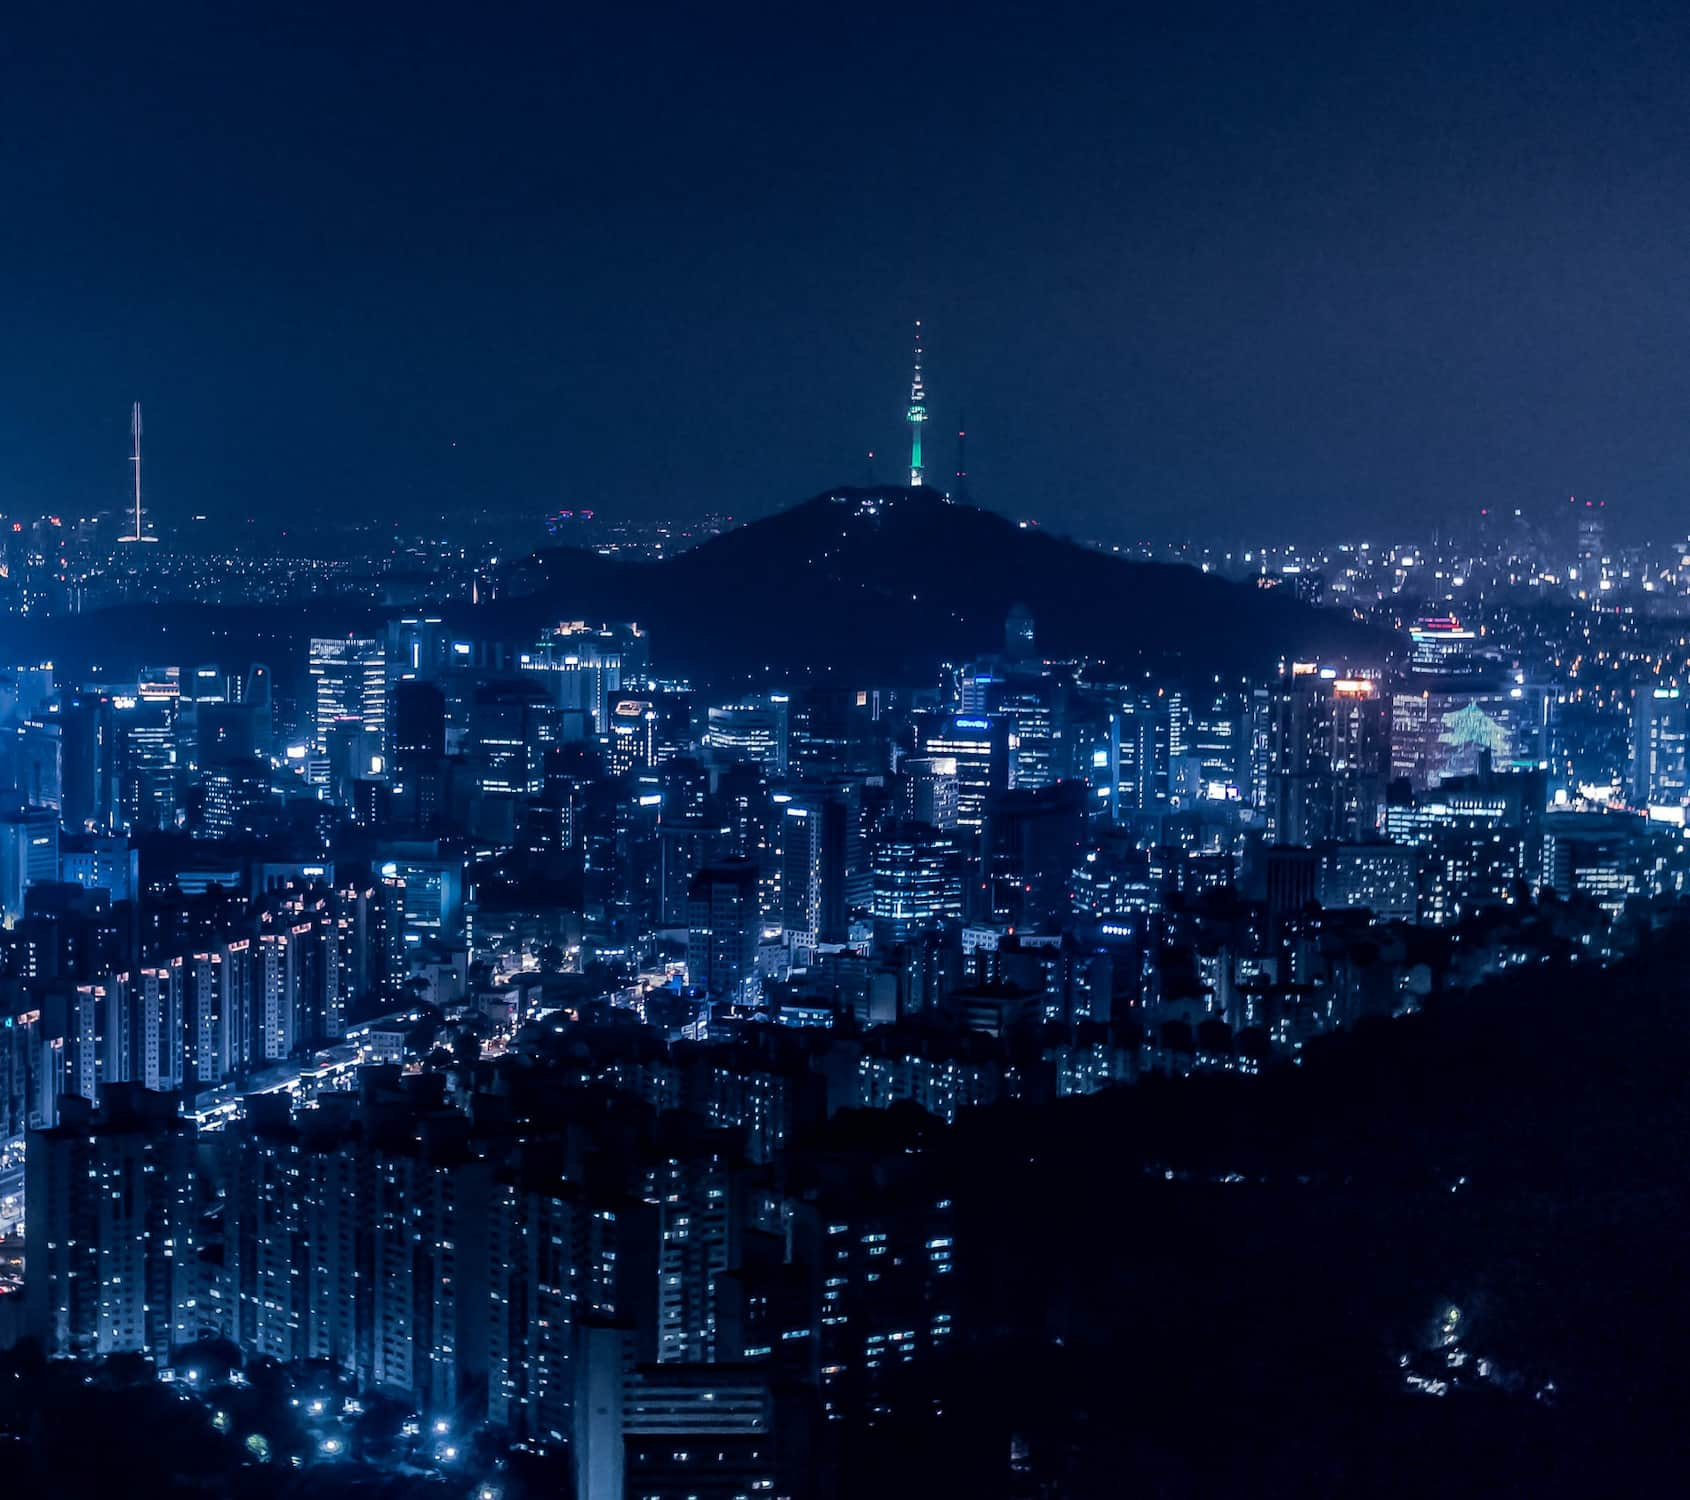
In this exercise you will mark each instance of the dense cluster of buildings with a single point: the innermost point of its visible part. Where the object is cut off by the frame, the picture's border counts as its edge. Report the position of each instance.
(508, 1026)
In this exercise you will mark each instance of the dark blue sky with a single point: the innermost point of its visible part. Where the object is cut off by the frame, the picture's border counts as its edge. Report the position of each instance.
(1196, 266)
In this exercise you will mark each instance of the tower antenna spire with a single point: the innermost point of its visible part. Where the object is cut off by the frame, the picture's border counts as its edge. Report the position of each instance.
(917, 412)
(139, 533)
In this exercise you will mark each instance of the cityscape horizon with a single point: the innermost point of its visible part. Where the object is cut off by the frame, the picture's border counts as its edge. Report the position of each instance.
(758, 755)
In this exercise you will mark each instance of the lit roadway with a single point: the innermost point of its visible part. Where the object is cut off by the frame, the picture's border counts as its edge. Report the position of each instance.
(325, 1068)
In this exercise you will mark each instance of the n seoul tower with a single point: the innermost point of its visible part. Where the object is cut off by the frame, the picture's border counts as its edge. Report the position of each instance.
(917, 413)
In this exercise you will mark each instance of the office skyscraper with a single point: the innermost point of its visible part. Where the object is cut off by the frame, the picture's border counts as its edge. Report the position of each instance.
(982, 750)
(349, 682)
(512, 724)
(88, 762)
(1660, 733)
(930, 789)
(755, 732)
(146, 728)
(1331, 757)
(724, 922)
(29, 854)
(916, 882)
(419, 723)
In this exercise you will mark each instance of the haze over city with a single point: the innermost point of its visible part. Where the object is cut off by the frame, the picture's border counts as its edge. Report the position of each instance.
(1180, 271)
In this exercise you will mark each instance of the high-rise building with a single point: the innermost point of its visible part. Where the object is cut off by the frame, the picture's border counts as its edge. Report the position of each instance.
(824, 864)
(1034, 842)
(1445, 731)
(633, 736)
(432, 908)
(25, 691)
(836, 732)
(276, 997)
(885, 1253)
(698, 1202)
(138, 530)
(427, 1228)
(1380, 877)
(148, 1005)
(930, 789)
(1033, 728)
(975, 687)
(349, 682)
(112, 1228)
(698, 1429)
(1592, 540)
(262, 1168)
(1152, 745)
(983, 750)
(88, 740)
(363, 1247)
(584, 667)
(227, 734)
(801, 876)
(1587, 854)
(232, 797)
(234, 780)
(724, 924)
(419, 722)
(554, 1276)
(752, 821)
(916, 882)
(1442, 645)
(1660, 739)
(685, 847)
(417, 646)
(1331, 757)
(29, 854)
(257, 693)
(1218, 741)
(754, 732)
(34, 762)
(146, 730)
(512, 725)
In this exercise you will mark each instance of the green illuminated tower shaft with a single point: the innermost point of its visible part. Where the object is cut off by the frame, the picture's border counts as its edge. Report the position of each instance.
(917, 413)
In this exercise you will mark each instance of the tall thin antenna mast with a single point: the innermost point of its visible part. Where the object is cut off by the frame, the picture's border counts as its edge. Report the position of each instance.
(135, 432)
(139, 533)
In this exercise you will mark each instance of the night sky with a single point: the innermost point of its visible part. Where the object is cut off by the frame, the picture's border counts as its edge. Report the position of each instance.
(1188, 267)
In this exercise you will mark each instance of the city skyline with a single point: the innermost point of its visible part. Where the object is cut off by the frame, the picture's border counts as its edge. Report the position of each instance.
(602, 896)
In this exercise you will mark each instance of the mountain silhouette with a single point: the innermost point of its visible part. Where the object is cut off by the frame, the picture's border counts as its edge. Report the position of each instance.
(881, 585)
(856, 587)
